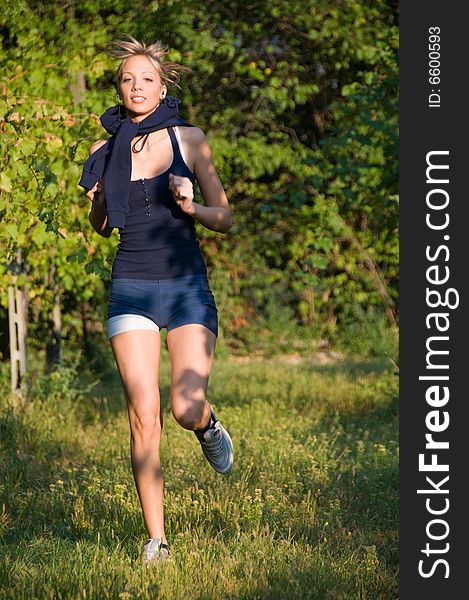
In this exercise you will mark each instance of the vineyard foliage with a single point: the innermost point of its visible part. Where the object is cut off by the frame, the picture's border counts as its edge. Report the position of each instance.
(299, 101)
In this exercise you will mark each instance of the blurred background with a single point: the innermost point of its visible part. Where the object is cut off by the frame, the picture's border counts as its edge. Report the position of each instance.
(299, 101)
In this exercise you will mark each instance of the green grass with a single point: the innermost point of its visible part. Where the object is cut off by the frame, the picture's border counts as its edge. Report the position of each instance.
(309, 511)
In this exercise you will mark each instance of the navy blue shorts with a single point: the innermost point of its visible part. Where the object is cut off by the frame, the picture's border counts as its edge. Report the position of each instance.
(155, 304)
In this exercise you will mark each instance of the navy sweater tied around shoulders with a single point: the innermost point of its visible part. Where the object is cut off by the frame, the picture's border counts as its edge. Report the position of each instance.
(114, 158)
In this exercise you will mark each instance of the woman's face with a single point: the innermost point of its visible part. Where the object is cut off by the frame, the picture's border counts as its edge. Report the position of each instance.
(140, 87)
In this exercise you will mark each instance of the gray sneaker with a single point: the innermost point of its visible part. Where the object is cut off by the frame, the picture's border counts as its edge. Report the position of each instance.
(217, 446)
(154, 551)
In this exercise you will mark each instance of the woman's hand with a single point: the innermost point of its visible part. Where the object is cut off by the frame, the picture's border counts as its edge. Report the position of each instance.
(96, 191)
(183, 193)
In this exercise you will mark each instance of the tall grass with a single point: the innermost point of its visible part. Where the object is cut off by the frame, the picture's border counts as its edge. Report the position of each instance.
(309, 511)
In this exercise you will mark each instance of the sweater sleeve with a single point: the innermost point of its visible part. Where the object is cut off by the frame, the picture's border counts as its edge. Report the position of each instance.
(93, 168)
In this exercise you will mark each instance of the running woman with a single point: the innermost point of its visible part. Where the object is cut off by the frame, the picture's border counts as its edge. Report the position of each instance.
(141, 182)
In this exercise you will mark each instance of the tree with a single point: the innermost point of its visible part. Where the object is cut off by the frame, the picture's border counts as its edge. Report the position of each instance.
(300, 106)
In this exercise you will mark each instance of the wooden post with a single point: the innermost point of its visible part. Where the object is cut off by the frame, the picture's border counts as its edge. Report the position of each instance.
(53, 348)
(17, 322)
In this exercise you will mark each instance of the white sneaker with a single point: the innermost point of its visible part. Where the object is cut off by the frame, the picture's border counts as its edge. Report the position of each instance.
(217, 446)
(154, 551)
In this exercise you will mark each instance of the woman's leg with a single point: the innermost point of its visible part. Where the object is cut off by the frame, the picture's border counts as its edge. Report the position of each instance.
(137, 356)
(191, 349)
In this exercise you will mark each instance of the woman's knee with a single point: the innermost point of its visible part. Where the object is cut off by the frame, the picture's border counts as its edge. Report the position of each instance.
(143, 402)
(188, 413)
(145, 424)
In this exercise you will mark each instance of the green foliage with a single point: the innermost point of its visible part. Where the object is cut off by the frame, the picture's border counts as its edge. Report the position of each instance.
(368, 334)
(300, 106)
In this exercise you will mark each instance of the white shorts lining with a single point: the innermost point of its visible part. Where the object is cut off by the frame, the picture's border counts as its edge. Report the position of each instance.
(129, 322)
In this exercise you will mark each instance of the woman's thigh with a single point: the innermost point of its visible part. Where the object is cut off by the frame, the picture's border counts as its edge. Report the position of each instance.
(191, 348)
(137, 354)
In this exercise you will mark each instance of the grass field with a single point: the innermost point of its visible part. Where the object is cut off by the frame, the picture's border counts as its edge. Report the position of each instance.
(309, 511)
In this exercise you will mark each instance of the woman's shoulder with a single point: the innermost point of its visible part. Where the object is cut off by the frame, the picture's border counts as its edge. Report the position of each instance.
(196, 145)
(96, 146)
(195, 140)
(193, 135)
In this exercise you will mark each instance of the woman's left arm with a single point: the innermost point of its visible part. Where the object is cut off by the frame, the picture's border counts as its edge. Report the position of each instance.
(216, 214)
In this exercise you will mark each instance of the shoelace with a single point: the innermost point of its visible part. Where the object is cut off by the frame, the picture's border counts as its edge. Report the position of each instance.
(215, 444)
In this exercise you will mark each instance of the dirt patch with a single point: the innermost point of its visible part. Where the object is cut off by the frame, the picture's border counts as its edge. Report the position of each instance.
(321, 358)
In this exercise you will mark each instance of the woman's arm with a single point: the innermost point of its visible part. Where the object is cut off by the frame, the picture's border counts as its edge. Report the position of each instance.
(216, 214)
(97, 216)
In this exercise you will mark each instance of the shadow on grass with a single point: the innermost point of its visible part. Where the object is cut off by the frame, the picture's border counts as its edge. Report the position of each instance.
(27, 472)
(42, 495)
(31, 463)
(314, 580)
(365, 509)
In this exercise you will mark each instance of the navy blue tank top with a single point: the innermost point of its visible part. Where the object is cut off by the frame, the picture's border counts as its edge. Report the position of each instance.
(158, 240)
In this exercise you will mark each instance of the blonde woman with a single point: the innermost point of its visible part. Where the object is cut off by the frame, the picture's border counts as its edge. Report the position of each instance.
(141, 182)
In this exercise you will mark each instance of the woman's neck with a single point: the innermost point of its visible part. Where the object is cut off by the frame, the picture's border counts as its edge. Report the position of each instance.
(138, 118)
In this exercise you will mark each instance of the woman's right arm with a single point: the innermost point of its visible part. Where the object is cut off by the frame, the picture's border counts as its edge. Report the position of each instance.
(97, 216)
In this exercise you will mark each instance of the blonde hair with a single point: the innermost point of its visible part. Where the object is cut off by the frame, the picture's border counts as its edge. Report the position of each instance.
(167, 70)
